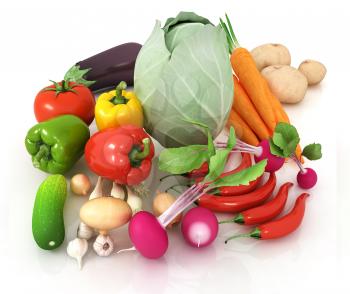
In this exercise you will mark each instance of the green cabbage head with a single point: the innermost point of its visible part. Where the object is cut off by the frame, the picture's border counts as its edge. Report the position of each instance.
(182, 74)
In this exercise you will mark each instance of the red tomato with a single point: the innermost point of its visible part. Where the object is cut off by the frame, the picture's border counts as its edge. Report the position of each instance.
(65, 98)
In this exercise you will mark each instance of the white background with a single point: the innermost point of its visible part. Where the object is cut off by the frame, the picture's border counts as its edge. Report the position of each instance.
(40, 40)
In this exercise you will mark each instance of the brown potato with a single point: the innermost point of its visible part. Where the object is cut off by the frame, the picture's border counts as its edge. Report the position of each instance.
(270, 54)
(287, 83)
(105, 213)
(313, 70)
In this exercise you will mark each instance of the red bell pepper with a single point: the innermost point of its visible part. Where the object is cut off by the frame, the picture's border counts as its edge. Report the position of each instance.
(123, 154)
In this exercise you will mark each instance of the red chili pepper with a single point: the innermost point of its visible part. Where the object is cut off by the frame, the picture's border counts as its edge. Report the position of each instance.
(245, 162)
(265, 212)
(241, 202)
(282, 226)
(201, 172)
(121, 154)
(238, 190)
(241, 189)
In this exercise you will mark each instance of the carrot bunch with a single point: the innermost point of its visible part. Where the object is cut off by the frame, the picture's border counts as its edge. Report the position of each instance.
(255, 111)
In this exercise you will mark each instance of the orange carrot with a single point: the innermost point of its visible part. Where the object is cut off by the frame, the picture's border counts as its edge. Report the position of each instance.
(280, 114)
(269, 108)
(246, 110)
(253, 82)
(242, 130)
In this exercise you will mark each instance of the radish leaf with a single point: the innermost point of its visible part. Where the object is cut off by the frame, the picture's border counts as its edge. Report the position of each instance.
(312, 151)
(286, 137)
(242, 177)
(217, 165)
(183, 159)
(231, 141)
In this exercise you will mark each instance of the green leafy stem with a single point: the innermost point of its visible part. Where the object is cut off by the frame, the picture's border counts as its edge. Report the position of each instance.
(285, 140)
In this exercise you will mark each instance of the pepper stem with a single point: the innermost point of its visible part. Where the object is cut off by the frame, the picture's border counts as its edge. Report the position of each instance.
(118, 98)
(256, 233)
(239, 219)
(44, 151)
(228, 221)
(145, 152)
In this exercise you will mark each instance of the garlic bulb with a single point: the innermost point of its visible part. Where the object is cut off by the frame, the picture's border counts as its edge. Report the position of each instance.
(77, 249)
(85, 232)
(103, 245)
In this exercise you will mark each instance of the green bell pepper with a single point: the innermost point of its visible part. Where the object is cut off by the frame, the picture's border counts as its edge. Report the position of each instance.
(57, 144)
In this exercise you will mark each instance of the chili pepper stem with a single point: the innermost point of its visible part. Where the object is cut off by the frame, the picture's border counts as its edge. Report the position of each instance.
(229, 221)
(239, 219)
(253, 234)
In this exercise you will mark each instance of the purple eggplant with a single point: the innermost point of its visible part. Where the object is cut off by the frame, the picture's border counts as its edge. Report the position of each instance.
(106, 69)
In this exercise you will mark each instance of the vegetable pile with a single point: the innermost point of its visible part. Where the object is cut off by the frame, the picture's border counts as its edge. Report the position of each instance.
(192, 81)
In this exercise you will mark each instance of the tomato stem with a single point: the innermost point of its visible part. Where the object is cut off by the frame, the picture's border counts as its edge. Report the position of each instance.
(61, 87)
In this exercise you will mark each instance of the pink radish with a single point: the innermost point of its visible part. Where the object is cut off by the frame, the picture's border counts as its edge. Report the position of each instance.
(199, 227)
(147, 235)
(147, 232)
(260, 152)
(307, 178)
(274, 162)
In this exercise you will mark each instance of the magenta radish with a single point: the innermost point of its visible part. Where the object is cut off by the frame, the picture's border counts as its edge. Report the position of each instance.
(148, 235)
(199, 227)
(260, 153)
(307, 178)
(147, 232)
(284, 143)
(274, 163)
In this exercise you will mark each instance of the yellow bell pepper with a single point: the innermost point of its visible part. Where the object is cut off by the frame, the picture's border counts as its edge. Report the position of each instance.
(117, 108)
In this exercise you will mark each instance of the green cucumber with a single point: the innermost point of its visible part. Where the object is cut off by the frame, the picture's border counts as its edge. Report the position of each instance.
(47, 220)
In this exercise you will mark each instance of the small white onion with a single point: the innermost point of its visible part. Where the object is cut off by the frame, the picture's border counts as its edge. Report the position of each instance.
(80, 184)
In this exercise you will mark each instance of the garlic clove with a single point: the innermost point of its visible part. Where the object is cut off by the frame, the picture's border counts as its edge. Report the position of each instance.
(77, 248)
(85, 232)
(135, 203)
(103, 245)
(117, 191)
